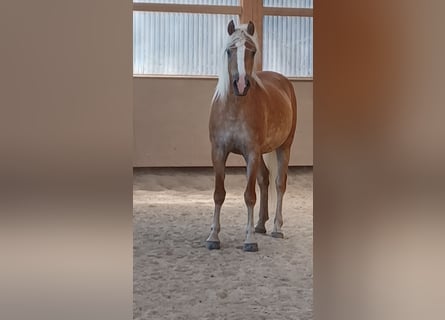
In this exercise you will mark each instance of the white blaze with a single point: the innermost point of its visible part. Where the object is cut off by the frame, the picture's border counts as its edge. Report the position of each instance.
(241, 67)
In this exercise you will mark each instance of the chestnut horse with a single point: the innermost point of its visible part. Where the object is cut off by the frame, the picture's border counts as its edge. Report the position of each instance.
(253, 114)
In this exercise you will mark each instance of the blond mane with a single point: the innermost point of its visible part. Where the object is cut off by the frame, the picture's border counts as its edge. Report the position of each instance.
(223, 85)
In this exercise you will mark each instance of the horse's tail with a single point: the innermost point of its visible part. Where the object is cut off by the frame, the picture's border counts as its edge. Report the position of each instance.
(271, 161)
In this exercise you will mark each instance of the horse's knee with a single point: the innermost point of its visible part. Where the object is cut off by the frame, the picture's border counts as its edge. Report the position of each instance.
(219, 196)
(281, 188)
(263, 181)
(250, 197)
(281, 184)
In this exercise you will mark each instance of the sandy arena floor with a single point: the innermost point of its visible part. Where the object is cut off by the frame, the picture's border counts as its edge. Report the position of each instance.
(176, 277)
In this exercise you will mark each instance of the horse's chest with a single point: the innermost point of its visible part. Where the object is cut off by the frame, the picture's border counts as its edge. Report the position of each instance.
(234, 135)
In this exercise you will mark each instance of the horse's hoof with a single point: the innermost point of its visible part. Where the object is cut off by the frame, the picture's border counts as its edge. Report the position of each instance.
(211, 245)
(260, 230)
(250, 247)
(277, 235)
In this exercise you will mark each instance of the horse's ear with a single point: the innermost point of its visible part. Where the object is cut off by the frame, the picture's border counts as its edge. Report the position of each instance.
(231, 27)
(250, 28)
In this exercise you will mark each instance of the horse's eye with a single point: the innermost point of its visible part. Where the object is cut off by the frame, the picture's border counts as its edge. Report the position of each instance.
(253, 53)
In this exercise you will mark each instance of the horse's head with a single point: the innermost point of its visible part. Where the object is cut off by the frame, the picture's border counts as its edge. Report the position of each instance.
(240, 55)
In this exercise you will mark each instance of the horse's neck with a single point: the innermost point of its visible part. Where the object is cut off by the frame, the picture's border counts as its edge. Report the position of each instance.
(234, 101)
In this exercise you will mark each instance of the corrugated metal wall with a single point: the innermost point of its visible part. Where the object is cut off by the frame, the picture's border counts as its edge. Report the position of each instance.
(287, 43)
(289, 3)
(191, 44)
(178, 43)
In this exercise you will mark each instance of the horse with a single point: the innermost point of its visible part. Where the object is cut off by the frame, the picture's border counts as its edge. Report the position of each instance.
(253, 114)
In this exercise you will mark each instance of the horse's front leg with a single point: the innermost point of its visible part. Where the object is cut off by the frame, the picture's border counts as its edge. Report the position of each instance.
(253, 161)
(219, 162)
(263, 182)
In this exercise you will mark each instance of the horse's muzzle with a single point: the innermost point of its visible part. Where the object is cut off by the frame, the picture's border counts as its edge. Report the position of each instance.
(241, 87)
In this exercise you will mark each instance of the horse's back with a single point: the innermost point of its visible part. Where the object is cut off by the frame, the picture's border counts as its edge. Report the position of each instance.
(282, 102)
(279, 89)
(274, 81)
(272, 77)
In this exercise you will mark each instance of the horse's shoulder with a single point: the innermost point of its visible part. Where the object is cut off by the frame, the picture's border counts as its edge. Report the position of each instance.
(274, 82)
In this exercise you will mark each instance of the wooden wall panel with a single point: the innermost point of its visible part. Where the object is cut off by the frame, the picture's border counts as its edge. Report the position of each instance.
(171, 123)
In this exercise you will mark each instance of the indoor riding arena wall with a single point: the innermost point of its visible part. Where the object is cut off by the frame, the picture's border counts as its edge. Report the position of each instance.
(171, 123)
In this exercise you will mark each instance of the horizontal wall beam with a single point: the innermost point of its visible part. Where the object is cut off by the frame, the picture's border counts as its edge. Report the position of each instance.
(292, 12)
(209, 9)
(187, 8)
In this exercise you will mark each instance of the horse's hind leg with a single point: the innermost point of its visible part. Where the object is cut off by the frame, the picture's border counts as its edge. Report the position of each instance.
(219, 163)
(283, 154)
(263, 182)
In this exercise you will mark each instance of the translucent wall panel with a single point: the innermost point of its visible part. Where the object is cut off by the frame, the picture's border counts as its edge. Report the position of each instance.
(288, 45)
(207, 2)
(178, 43)
(289, 3)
